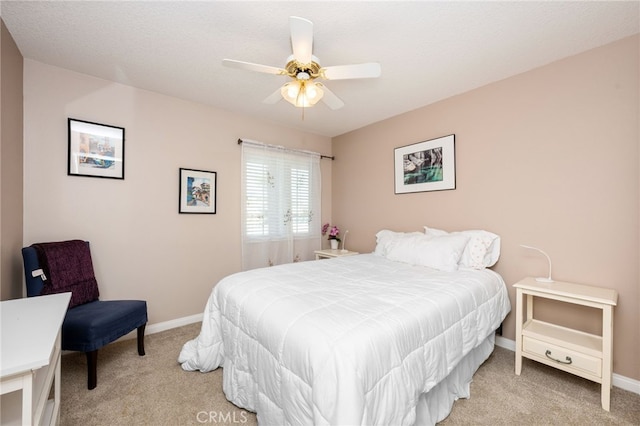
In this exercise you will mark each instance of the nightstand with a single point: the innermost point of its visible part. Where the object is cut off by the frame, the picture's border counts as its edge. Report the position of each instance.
(328, 254)
(583, 354)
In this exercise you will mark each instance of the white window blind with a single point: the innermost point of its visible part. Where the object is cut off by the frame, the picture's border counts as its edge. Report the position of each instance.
(281, 205)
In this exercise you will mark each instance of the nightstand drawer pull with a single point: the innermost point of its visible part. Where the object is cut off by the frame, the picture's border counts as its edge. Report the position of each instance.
(568, 358)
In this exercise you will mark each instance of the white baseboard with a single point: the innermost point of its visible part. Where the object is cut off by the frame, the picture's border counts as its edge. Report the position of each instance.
(626, 383)
(168, 325)
(506, 343)
(165, 325)
(619, 381)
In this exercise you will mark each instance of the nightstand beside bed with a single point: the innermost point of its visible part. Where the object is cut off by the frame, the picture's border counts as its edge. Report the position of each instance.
(329, 253)
(584, 354)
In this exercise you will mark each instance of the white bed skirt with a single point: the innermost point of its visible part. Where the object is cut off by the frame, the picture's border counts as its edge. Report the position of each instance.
(435, 405)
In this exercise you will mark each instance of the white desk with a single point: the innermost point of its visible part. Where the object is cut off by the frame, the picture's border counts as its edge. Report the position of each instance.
(30, 358)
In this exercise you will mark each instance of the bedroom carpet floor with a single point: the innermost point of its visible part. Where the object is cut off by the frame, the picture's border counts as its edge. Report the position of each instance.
(154, 390)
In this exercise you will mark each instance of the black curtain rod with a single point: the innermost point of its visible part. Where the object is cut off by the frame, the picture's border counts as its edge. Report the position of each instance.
(321, 156)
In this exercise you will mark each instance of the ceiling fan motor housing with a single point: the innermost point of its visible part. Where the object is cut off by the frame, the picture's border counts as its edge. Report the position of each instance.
(294, 68)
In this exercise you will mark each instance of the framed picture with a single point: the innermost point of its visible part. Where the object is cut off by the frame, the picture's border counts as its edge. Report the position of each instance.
(95, 150)
(197, 191)
(426, 166)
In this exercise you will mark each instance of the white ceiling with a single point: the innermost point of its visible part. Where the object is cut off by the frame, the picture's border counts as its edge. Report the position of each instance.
(428, 50)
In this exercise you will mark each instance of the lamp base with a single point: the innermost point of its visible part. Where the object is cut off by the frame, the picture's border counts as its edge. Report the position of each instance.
(544, 280)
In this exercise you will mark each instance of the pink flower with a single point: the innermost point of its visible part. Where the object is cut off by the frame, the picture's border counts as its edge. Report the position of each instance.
(334, 232)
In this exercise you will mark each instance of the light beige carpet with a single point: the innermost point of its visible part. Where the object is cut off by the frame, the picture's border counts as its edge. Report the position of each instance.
(154, 390)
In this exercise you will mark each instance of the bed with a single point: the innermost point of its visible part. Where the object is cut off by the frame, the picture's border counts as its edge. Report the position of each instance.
(361, 339)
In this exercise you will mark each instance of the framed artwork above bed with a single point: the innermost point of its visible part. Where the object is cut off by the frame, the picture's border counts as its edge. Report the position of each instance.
(426, 166)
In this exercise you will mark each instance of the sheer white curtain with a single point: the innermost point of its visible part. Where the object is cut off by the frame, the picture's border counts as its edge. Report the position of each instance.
(280, 205)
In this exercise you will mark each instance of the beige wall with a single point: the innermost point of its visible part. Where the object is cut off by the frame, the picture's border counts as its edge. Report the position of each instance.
(11, 64)
(142, 248)
(547, 158)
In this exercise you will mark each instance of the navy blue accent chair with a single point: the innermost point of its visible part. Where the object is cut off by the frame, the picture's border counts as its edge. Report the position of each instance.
(88, 327)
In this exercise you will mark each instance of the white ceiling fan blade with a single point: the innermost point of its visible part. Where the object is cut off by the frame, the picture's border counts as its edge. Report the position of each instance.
(274, 97)
(253, 67)
(329, 98)
(301, 39)
(343, 72)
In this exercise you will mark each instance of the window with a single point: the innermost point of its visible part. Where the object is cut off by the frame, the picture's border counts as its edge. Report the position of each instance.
(281, 203)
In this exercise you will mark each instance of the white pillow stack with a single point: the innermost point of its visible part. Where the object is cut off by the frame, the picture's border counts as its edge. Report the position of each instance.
(441, 250)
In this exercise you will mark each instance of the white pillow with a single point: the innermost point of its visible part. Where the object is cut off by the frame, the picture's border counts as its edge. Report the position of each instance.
(386, 237)
(482, 250)
(442, 253)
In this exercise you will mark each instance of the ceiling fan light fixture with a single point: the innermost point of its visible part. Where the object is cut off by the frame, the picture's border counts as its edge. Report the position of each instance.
(301, 93)
(304, 68)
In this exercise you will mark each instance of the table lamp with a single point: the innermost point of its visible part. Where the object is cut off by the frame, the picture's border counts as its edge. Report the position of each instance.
(344, 241)
(541, 279)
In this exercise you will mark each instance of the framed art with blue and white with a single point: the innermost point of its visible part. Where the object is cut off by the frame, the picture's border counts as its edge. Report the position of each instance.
(426, 166)
(197, 191)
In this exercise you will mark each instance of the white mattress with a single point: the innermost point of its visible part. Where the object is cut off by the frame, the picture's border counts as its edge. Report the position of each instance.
(351, 340)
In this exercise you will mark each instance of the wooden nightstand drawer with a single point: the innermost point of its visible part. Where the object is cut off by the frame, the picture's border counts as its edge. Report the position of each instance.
(562, 358)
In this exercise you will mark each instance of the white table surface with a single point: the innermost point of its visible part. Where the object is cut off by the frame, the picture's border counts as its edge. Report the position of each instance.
(29, 330)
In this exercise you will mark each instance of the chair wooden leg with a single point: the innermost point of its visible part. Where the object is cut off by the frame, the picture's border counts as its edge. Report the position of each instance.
(92, 369)
(141, 339)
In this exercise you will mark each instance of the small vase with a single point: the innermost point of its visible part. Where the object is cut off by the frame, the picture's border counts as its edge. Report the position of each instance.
(334, 244)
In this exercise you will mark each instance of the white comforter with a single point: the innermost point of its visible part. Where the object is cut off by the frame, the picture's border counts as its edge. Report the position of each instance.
(351, 340)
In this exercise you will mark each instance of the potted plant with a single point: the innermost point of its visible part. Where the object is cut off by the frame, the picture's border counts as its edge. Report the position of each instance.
(333, 235)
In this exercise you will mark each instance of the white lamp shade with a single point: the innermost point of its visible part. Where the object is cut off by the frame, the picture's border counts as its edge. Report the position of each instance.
(301, 94)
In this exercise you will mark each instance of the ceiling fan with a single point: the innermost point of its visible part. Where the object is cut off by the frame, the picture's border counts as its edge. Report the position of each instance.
(304, 68)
